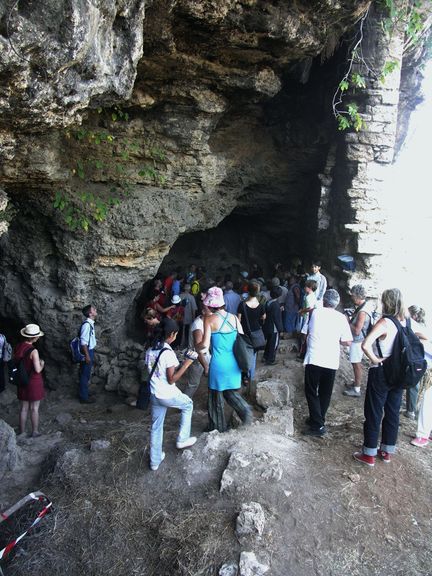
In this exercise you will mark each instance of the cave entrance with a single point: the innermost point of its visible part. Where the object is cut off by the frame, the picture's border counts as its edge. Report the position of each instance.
(262, 236)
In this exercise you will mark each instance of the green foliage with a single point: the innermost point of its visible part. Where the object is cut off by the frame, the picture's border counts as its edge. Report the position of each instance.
(389, 67)
(104, 157)
(409, 16)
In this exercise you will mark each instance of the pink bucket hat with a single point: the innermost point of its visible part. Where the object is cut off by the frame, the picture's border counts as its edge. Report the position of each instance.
(214, 298)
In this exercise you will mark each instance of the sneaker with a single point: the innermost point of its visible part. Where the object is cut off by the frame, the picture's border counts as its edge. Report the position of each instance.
(364, 458)
(317, 432)
(155, 467)
(420, 442)
(385, 456)
(410, 415)
(352, 392)
(187, 443)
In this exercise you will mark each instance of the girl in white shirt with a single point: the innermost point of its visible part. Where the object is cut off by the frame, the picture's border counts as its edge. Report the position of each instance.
(164, 392)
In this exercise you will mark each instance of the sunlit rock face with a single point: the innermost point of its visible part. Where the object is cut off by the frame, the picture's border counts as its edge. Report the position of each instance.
(228, 115)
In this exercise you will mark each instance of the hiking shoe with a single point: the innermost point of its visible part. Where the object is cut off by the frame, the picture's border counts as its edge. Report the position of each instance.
(187, 443)
(155, 467)
(364, 458)
(385, 456)
(352, 392)
(317, 432)
(410, 415)
(420, 442)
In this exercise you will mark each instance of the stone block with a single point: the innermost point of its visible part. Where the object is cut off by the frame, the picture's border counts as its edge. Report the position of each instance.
(249, 565)
(272, 393)
(281, 420)
(228, 570)
(99, 445)
(251, 520)
(8, 448)
(248, 469)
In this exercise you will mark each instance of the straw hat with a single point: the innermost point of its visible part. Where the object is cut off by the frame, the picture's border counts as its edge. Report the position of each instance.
(176, 299)
(31, 331)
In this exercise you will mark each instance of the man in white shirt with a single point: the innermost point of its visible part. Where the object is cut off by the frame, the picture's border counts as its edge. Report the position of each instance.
(88, 344)
(328, 330)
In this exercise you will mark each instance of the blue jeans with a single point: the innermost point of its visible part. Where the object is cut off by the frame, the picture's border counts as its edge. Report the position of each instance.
(411, 399)
(159, 407)
(253, 367)
(84, 376)
(380, 399)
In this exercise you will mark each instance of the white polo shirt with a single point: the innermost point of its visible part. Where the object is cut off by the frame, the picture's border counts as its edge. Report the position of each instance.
(327, 328)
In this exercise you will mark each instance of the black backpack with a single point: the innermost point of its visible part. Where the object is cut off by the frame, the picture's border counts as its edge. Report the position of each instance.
(406, 365)
(19, 375)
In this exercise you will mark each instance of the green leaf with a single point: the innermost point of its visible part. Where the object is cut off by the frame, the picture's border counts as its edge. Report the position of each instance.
(352, 109)
(344, 85)
(358, 80)
(343, 122)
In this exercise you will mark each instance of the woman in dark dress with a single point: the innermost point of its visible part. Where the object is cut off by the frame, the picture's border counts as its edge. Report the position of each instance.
(30, 395)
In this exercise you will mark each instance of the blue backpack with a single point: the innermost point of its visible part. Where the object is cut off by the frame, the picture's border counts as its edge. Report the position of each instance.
(75, 345)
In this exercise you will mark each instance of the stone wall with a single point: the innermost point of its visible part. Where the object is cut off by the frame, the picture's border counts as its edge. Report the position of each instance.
(354, 206)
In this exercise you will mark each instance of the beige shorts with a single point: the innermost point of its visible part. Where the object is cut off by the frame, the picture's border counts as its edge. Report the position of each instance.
(355, 353)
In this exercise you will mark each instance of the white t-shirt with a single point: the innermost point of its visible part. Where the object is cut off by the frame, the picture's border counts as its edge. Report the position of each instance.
(197, 324)
(327, 328)
(159, 384)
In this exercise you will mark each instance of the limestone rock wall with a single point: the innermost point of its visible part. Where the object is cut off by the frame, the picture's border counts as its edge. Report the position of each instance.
(225, 109)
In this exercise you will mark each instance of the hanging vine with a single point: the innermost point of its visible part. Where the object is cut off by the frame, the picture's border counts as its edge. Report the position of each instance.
(415, 20)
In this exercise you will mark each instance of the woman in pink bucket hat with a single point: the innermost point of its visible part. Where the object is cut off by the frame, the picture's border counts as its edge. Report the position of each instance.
(220, 331)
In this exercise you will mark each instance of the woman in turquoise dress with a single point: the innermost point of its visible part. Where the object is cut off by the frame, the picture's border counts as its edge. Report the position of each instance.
(220, 333)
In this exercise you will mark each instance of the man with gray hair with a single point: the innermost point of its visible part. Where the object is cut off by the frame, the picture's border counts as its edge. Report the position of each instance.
(360, 321)
(328, 330)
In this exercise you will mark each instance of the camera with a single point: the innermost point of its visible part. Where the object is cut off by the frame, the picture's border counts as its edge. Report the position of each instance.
(190, 354)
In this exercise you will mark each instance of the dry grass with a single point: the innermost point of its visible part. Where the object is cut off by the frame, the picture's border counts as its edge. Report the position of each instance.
(117, 519)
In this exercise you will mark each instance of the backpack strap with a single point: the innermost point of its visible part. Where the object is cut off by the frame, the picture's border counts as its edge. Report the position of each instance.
(399, 328)
(156, 363)
(91, 331)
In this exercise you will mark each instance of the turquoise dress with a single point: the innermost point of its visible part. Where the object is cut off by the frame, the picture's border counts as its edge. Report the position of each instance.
(224, 373)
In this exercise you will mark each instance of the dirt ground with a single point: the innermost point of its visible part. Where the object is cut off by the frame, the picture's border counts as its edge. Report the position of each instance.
(325, 514)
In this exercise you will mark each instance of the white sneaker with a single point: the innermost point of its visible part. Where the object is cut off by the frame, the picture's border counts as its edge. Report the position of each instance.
(155, 467)
(187, 443)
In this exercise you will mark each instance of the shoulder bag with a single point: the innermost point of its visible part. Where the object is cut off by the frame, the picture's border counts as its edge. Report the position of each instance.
(256, 337)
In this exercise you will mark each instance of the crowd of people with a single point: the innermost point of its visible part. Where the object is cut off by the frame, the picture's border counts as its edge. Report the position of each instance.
(207, 316)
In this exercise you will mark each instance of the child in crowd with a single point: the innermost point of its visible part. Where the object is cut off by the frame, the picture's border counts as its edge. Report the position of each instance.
(162, 361)
(309, 304)
(320, 280)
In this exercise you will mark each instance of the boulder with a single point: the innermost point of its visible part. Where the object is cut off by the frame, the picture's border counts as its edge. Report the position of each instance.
(251, 469)
(8, 448)
(228, 570)
(281, 420)
(99, 445)
(249, 565)
(251, 520)
(272, 393)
